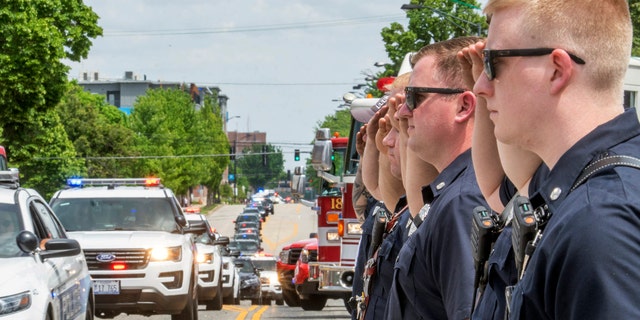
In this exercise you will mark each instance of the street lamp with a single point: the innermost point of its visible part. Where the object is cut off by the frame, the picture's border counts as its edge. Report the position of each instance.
(406, 7)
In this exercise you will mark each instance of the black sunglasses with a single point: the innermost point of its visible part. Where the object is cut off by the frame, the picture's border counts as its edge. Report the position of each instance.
(411, 92)
(490, 55)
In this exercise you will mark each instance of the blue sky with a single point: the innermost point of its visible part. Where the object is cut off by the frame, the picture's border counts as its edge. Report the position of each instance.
(258, 52)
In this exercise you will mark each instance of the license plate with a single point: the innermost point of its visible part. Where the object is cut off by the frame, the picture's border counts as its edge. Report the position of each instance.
(106, 286)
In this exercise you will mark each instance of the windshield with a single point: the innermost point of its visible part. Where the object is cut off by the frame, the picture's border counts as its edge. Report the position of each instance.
(244, 218)
(10, 226)
(247, 267)
(266, 265)
(246, 246)
(99, 214)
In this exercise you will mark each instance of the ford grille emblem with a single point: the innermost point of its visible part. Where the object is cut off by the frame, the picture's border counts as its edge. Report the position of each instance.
(105, 257)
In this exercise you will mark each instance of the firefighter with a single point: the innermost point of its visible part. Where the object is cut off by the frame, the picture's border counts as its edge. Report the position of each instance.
(434, 271)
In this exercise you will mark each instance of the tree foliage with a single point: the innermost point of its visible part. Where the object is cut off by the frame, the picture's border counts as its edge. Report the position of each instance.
(634, 8)
(438, 20)
(43, 153)
(98, 130)
(36, 37)
(256, 170)
(183, 144)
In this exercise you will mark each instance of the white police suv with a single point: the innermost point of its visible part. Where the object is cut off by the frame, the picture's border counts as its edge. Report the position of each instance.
(210, 263)
(136, 243)
(43, 274)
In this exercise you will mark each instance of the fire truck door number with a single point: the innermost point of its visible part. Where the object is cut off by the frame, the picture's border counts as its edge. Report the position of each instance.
(336, 203)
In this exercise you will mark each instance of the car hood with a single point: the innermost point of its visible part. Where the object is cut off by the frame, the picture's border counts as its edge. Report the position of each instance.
(126, 239)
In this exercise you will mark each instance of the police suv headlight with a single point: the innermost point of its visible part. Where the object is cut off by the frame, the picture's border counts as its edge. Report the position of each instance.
(354, 228)
(15, 303)
(273, 279)
(166, 254)
(204, 258)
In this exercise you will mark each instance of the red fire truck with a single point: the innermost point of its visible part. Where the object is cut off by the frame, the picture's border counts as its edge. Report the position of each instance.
(331, 276)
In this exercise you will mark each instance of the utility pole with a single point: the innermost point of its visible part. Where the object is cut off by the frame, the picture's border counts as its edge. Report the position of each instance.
(235, 165)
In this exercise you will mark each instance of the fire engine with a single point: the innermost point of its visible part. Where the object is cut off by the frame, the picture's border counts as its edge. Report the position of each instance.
(331, 276)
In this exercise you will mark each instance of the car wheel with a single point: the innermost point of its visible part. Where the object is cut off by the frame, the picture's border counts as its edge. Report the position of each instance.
(291, 298)
(216, 303)
(266, 301)
(314, 303)
(190, 311)
(279, 302)
(89, 314)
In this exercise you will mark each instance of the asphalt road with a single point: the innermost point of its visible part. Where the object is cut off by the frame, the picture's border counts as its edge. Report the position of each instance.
(290, 222)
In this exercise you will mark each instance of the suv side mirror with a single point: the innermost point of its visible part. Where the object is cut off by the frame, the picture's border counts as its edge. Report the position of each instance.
(181, 221)
(223, 241)
(196, 227)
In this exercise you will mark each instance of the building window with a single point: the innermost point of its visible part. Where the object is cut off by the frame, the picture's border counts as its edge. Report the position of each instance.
(113, 98)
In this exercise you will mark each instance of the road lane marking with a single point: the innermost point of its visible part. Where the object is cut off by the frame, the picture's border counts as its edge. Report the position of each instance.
(272, 246)
(233, 308)
(257, 315)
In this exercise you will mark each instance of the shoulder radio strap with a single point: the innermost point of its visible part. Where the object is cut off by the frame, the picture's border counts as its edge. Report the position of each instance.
(605, 162)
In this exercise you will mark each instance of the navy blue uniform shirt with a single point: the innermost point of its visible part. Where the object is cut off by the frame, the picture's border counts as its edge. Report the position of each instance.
(363, 249)
(501, 266)
(381, 284)
(586, 265)
(433, 276)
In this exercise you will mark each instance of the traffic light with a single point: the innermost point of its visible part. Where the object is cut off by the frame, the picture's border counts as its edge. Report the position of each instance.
(296, 155)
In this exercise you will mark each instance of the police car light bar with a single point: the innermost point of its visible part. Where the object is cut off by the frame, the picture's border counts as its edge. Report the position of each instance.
(79, 182)
(10, 178)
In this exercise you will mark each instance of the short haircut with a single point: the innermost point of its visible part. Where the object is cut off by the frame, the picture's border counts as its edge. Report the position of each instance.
(598, 31)
(448, 68)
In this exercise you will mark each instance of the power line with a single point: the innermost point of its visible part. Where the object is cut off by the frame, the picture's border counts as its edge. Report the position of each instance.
(258, 28)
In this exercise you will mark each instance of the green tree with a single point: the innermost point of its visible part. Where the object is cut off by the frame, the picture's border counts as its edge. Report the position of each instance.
(36, 37)
(634, 7)
(93, 125)
(212, 140)
(438, 20)
(163, 121)
(42, 152)
(259, 172)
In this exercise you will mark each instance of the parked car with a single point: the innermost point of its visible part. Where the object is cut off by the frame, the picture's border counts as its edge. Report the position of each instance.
(250, 288)
(271, 288)
(44, 274)
(209, 262)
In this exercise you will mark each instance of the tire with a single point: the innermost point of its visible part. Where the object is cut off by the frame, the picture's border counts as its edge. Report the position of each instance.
(89, 314)
(291, 298)
(255, 301)
(346, 304)
(314, 303)
(279, 302)
(190, 311)
(266, 301)
(216, 303)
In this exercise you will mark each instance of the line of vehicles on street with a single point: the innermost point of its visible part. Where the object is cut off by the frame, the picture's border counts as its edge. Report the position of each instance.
(102, 247)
